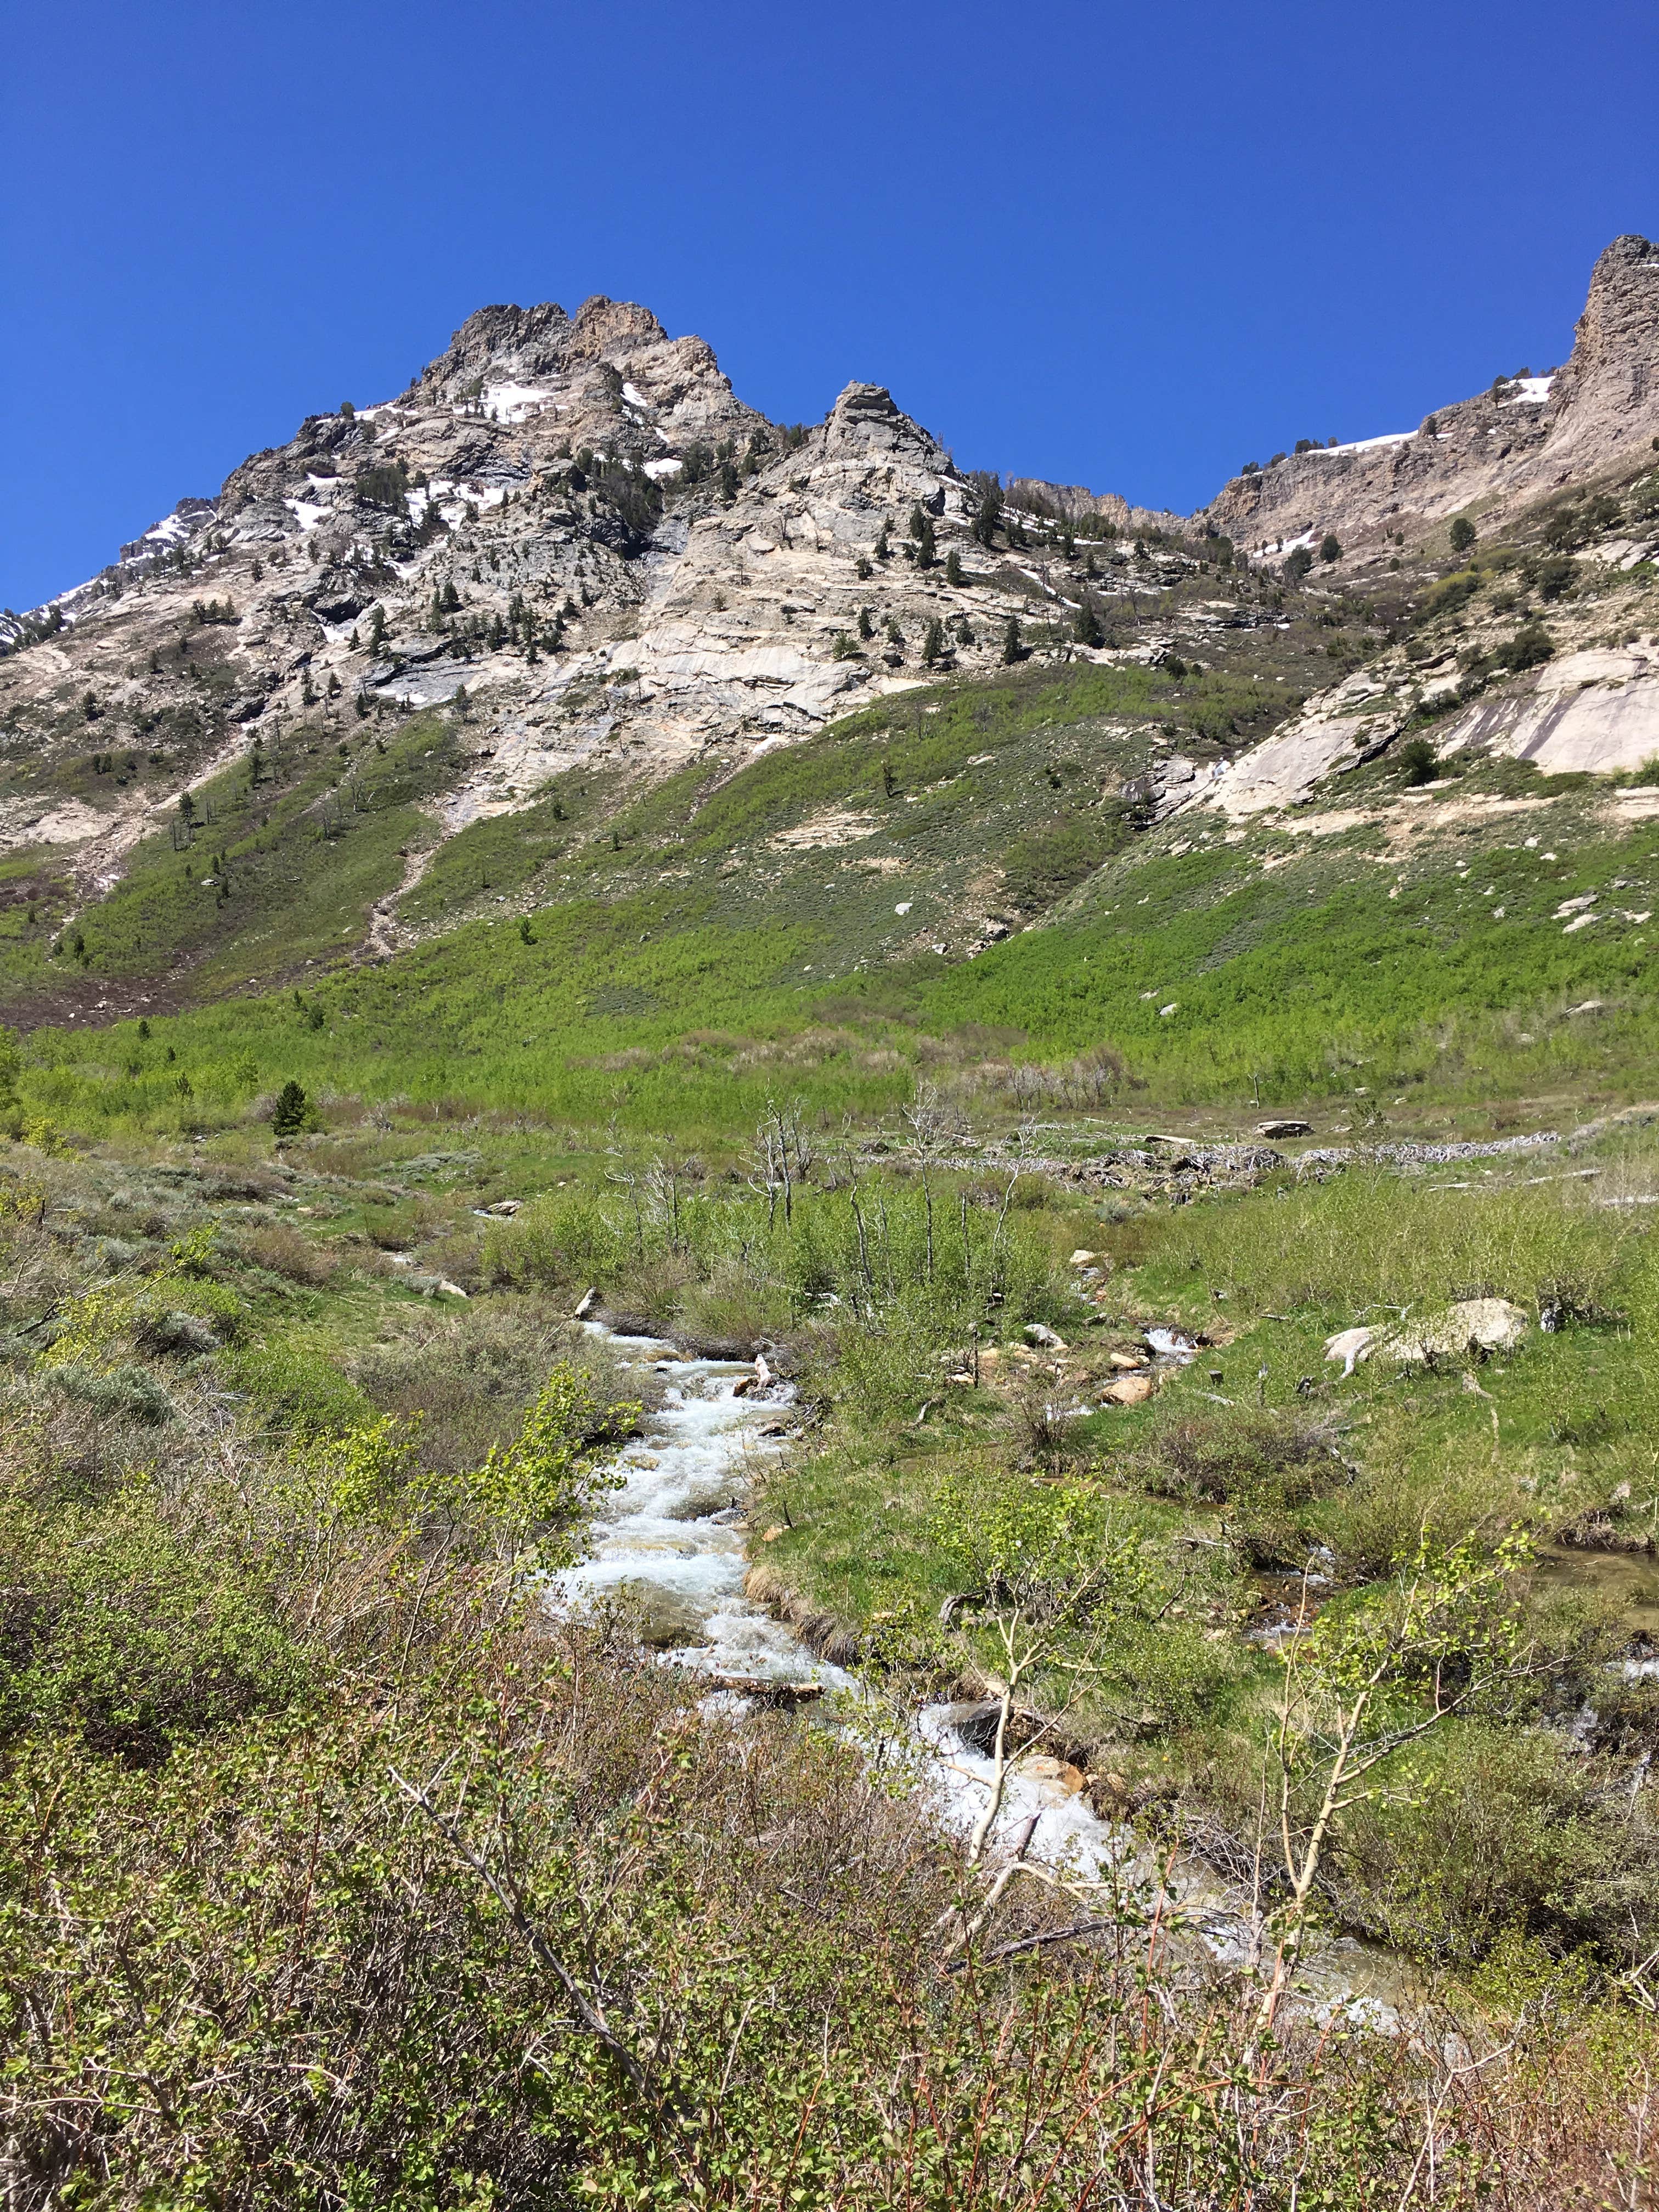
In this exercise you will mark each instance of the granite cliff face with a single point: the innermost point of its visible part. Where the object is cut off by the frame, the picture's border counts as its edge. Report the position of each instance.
(1485, 456)
(574, 520)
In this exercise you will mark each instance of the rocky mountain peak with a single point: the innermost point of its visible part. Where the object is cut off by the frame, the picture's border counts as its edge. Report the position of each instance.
(530, 342)
(866, 420)
(514, 346)
(607, 330)
(1523, 437)
(1607, 397)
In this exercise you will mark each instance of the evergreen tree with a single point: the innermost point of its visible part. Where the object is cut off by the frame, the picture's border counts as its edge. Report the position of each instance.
(884, 550)
(1012, 648)
(1086, 627)
(867, 626)
(1462, 534)
(292, 1112)
(932, 643)
(1330, 549)
(953, 569)
(989, 513)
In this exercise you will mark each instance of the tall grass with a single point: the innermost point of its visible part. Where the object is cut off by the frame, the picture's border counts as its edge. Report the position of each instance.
(880, 1276)
(1375, 1240)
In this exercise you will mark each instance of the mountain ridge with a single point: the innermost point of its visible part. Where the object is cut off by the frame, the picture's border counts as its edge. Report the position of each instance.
(571, 547)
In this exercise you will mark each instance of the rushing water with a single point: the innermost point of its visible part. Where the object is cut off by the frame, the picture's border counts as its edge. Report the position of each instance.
(671, 1542)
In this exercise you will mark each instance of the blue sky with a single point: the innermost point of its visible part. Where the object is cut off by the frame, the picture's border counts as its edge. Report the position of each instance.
(1126, 246)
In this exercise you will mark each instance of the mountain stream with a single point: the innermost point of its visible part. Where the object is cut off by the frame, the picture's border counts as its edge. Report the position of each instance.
(671, 1541)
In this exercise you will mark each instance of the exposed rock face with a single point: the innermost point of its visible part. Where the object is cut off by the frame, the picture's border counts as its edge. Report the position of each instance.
(1606, 401)
(1076, 504)
(577, 520)
(1521, 438)
(574, 519)
(1594, 711)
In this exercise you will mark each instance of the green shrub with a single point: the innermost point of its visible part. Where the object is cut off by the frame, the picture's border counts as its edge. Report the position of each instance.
(292, 1390)
(1488, 1832)
(129, 1634)
(1044, 865)
(1529, 647)
(559, 1242)
(1252, 1457)
(1419, 762)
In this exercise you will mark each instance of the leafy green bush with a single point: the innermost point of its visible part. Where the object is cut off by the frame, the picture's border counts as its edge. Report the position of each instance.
(1530, 646)
(560, 1241)
(1239, 1456)
(1419, 762)
(127, 1633)
(1489, 1832)
(1042, 866)
(291, 1390)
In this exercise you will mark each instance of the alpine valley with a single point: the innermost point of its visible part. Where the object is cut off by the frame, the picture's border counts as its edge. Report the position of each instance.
(829, 1322)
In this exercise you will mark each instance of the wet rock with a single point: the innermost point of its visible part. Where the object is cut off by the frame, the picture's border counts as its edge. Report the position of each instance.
(1058, 1774)
(974, 1722)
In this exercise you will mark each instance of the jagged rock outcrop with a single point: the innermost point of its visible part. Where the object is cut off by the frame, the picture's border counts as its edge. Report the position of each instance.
(1523, 438)
(574, 519)
(1077, 504)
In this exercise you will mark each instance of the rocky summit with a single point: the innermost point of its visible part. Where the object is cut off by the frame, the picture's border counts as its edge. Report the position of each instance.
(570, 536)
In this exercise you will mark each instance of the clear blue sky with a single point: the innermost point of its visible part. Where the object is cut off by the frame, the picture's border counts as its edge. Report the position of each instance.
(1125, 245)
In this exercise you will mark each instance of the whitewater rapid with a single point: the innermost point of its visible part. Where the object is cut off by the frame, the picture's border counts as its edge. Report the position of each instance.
(670, 1542)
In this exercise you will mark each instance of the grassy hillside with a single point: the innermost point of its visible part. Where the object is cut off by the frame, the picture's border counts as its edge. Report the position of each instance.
(675, 961)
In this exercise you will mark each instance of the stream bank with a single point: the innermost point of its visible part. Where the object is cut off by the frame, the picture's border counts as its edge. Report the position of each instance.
(670, 1543)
